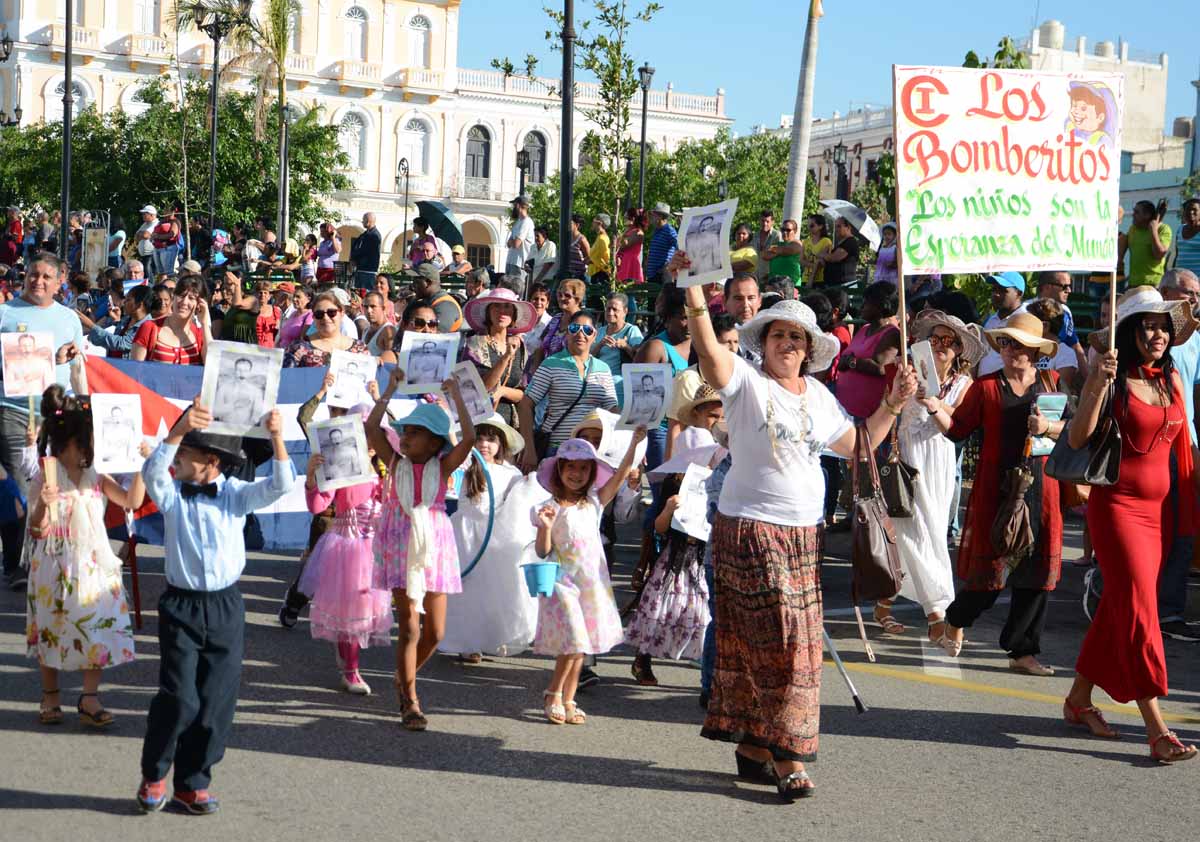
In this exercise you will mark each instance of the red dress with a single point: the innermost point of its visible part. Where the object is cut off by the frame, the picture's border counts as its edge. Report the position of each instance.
(191, 354)
(991, 405)
(1132, 524)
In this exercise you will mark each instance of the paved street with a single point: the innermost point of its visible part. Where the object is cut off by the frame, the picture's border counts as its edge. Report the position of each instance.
(948, 751)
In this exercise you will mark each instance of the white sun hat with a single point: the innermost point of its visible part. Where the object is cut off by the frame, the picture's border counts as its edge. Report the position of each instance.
(1147, 299)
(822, 347)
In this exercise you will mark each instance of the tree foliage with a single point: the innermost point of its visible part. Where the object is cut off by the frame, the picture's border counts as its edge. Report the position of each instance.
(120, 162)
(753, 168)
(1008, 56)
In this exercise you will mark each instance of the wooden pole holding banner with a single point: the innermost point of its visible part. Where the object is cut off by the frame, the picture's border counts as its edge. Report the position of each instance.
(900, 291)
(1112, 310)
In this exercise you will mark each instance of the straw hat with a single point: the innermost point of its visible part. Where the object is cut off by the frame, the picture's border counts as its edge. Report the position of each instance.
(1147, 299)
(512, 439)
(704, 394)
(592, 421)
(572, 449)
(973, 349)
(475, 311)
(822, 347)
(1025, 329)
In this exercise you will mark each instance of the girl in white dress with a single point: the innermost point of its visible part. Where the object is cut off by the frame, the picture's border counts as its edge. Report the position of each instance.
(929, 576)
(494, 613)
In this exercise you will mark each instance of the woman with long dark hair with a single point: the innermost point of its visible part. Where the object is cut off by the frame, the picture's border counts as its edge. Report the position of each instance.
(629, 250)
(1130, 522)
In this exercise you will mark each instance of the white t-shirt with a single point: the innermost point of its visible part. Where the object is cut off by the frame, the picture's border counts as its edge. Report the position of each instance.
(522, 230)
(776, 472)
(145, 248)
(1065, 358)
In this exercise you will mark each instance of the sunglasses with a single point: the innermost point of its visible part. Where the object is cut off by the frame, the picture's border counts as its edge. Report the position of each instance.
(945, 341)
(421, 324)
(586, 330)
(1005, 343)
(325, 314)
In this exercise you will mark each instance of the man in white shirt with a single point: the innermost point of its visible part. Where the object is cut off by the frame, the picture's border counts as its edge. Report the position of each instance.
(520, 238)
(142, 241)
(544, 254)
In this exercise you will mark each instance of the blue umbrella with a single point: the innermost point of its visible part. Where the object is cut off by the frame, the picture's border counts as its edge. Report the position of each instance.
(442, 222)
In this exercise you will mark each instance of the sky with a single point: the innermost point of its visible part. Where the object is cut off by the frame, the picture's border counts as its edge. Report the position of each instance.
(752, 50)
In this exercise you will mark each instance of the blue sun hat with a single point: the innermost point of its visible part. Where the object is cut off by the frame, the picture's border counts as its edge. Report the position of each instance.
(572, 449)
(430, 416)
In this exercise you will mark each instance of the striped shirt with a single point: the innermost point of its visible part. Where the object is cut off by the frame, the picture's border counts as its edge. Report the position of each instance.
(557, 381)
(1187, 252)
(662, 249)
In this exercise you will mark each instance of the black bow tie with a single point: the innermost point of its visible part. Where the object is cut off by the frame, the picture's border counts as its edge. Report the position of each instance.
(189, 490)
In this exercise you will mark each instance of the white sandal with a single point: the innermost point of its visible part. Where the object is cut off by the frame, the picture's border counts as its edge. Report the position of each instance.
(556, 714)
(574, 714)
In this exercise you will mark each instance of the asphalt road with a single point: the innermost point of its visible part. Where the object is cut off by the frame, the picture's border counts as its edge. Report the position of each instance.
(948, 750)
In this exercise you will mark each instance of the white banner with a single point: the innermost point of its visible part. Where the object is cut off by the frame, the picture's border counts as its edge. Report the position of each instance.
(1007, 169)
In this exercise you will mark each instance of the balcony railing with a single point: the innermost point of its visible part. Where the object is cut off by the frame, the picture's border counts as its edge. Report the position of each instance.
(424, 78)
(302, 64)
(82, 37)
(475, 188)
(493, 81)
(144, 46)
(359, 73)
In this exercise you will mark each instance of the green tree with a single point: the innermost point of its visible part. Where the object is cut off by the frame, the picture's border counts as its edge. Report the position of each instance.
(121, 162)
(1190, 188)
(1008, 56)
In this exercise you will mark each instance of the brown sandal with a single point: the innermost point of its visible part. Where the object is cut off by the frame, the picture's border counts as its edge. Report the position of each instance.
(411, 717)
(51, 715)
(98, 719)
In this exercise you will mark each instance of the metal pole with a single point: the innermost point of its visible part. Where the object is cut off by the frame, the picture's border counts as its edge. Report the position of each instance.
(212, 141)
(567, 174)
(68, 101)
(404, 234)
(642, 155)
(521, 189)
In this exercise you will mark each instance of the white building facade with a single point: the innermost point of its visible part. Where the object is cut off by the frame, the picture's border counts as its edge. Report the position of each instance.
(385, 71)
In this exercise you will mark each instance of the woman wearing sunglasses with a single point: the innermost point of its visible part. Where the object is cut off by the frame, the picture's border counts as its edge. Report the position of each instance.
(1002, 404)
(327, 337)
(573, 383)
(569, 296)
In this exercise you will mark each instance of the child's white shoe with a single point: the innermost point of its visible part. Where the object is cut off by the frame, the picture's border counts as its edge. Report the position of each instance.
(353, 683)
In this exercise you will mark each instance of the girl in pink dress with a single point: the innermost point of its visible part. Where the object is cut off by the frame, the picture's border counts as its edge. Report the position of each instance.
(580, 618)
(345, 608)
(629, 251)
(416, 556)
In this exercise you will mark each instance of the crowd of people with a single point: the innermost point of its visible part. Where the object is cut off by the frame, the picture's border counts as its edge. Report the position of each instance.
(778, 382)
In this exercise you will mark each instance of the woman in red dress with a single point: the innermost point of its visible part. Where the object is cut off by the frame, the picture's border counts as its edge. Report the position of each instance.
(1132, 522)
(1002, 405)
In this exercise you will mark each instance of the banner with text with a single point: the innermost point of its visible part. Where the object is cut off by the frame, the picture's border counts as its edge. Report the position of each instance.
(1007, 169)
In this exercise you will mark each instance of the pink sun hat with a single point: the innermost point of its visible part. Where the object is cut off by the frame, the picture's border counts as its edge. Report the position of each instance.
(475, 311)
(573, 449)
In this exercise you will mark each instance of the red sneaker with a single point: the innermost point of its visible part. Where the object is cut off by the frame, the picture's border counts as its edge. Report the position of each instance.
(197, 802)
(152, 795)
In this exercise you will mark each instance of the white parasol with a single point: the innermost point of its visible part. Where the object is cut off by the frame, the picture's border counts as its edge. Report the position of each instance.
(857, 217)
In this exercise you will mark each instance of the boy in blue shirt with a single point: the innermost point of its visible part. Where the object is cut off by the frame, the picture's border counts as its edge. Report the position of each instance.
(201, 618)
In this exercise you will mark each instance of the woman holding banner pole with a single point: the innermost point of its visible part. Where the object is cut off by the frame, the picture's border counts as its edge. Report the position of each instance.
(767, 539)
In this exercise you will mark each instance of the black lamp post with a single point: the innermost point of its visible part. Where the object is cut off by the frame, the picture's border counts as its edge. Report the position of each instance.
(566, 174)
(402, 172)
(68, 102)
(6, 47)
(645, 76)
(523, 166)
(216, 26)
(839, 161)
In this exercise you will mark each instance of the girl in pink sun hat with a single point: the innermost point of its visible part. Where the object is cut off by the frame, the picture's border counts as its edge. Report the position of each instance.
(581, 617)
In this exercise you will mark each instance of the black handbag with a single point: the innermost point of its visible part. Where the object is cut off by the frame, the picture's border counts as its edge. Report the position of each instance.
(874, 554)
(1098, 462)
(897, 481)
(541, 438)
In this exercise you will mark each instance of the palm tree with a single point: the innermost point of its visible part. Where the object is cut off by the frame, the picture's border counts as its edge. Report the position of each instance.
(793, 202)
(263, 43)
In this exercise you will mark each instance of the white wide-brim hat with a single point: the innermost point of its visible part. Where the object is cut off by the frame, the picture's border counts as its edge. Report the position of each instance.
(513, 440)
(822, 348)
(1147, 299)
(973, 349)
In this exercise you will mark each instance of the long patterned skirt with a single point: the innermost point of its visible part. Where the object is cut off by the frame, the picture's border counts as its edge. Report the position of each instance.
(766, 687)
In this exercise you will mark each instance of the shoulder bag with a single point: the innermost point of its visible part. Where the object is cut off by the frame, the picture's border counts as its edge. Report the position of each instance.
(541, 438)
(898, 481)
(1098, 462)
(874, 554)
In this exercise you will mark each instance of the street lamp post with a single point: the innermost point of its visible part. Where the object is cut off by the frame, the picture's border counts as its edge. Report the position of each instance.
(68, 101)
(839, 161)
(216, 26)
(402, 172)
(523, 167)
(645, 76)
(566, 174)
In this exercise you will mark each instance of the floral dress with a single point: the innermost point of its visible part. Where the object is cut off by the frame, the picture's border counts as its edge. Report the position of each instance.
(581, 615)
(77, 617)
(486, 357)
(304, 354)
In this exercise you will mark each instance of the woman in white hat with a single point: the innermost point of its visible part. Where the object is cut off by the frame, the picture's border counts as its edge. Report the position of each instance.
(494, 613)
(766, 538)
(499, 318)
(929, 578)
(1130, 523)
(1002, 404)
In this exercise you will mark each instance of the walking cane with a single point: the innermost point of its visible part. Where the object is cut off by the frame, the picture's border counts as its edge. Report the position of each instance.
(859, 704)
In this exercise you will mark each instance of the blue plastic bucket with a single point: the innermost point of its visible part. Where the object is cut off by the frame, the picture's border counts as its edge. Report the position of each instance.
(540, 577)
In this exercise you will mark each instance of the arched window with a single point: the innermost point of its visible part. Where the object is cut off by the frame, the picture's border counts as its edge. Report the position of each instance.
(353, 134)
(479, 153)
(145, 16)
(414, 145)
(420, 31)
(535, 145)
(54, 108)
(354, 25)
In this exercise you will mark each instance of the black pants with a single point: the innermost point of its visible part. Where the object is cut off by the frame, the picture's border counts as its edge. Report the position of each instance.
(1022, 633)
(200, 638)
(12, 534)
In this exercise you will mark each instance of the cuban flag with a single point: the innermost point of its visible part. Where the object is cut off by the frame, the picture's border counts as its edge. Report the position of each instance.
(166, 389)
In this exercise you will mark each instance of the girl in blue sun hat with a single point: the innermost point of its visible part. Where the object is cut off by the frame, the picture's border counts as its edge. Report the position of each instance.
(581, 617)
(415, 553)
